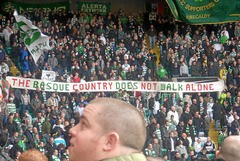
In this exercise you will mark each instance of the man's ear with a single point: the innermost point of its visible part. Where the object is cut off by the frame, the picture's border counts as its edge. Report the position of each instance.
(111, 141)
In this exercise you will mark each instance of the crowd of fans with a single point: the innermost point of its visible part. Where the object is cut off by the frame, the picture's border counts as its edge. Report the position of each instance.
(91, 47)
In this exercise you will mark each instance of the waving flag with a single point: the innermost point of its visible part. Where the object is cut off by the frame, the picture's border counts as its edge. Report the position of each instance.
(205, 11)
(32, 36)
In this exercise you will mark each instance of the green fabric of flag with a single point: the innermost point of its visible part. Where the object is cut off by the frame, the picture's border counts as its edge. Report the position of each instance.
(205, 11)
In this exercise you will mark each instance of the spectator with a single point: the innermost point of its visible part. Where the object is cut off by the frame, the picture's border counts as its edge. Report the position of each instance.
(222, 136)
(198, 146)
(152, 36)
(2, 53)
(11, 106)
(158, 132)
(106, 104)
(50, 147)
(161, 116)
(229, 149)
(197, 122)
(217, 111)
(14, 137)
(35, 104)
(209, 146)
(183, 70)
(52, 101)
(11, 126)
(13, 153)
(191, 131)
(23, 53)
(203, 154)
(186, 116)
(32, 155)
(27, 118)
(149, 151)
(4, 68)
(53, 62)
(25, 65)
(8, 61)
(162, 73)
(157, 147)
(170, 144)
(55, 156)
(181, 149)
(180, 128)
(173, 112)
(175, 70)
(22, 143)
(206, 125)
(192, 156)
(235, 125)
(25, 100)
(29, 136)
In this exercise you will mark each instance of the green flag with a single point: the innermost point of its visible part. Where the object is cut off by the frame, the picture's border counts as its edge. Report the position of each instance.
(32, 36)
(205, 11)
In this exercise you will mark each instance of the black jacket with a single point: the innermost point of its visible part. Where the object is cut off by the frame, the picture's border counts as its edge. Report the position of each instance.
(185, 117)
(50, 149)
(14, 150)
(30, 140)
(217, 110)
(161, 118)
(168, 144)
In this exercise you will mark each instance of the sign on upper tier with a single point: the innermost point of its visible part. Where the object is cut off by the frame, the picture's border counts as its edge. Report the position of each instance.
(94, 7)
(98, 86)
(205, 11)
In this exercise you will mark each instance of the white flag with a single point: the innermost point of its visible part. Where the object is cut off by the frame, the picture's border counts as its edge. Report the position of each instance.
(32, 36)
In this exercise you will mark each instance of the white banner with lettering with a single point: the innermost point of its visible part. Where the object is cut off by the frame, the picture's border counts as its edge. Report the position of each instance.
(48, 75)
(98, 86)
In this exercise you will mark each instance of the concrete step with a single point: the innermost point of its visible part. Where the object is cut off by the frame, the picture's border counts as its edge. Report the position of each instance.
(213, 134)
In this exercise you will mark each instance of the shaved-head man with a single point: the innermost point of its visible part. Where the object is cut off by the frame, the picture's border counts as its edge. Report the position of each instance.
(230, 150)
(109, 129)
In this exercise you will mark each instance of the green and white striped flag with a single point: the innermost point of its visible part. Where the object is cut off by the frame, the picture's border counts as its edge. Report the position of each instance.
(32, 36)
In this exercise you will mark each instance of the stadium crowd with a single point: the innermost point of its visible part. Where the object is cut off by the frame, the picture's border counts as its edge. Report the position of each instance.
(91, 47)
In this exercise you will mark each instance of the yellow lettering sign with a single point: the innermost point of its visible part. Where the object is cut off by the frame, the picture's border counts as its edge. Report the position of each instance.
(198, 16)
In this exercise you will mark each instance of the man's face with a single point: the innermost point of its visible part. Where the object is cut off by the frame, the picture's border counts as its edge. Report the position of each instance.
(177, 155)
(87, 136)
